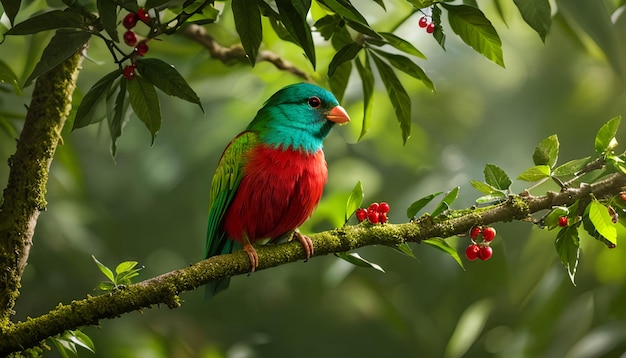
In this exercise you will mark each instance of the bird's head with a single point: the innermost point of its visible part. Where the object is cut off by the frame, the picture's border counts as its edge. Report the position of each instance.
(298, 116)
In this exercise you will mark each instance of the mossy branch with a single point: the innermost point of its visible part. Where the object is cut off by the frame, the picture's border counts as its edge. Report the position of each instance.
(24, 195)
(165, 289)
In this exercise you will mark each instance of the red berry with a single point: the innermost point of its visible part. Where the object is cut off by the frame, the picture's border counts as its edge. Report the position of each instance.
(430, 28)
(143, 15)
(142, 48)
(372, 216)
(130, 38)
(382, 217)
(373, 207)
(472, 252)
(361, 214)
(485, 253)
(475, 231)
(563, 221)
(383, 207)
(489, 233)
(129, 72)
(130, 21)
(622, 196)
(423, 22)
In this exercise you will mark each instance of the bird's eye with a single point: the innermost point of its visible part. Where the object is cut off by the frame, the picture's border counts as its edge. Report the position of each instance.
(315, 102)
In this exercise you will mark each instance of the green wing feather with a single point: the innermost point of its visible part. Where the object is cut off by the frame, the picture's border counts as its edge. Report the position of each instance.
(224, 185)
(225, 182)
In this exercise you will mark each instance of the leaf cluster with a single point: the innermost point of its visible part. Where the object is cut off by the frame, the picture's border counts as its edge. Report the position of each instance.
(124, 272)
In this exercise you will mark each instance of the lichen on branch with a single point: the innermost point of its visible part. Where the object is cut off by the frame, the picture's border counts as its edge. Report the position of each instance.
(165, 289)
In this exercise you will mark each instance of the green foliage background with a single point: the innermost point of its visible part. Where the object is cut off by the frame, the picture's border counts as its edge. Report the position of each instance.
(149, 204)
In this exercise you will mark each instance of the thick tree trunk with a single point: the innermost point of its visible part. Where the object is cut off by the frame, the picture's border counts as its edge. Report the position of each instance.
(24, 196)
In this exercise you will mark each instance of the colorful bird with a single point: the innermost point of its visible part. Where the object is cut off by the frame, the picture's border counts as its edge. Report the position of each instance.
(271, 176)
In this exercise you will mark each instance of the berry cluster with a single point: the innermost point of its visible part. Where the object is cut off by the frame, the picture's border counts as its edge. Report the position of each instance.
(130, 38)
(376, 213)
(480, 250)
(427, 23)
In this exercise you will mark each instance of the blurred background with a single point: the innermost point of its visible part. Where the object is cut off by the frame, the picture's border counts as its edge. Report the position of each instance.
(149, 204)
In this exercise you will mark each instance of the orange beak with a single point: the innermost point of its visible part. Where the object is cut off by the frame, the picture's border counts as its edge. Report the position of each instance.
(338, 115)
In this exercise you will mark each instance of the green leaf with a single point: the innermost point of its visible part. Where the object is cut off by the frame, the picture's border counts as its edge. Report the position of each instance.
(602, 221)
(339, 81)
(547, 152)
(328, 25)
(442, 245)
(570, 167)
(55, 19)
(81, 339)
(248, 24)
(63, 45)
(594, 19)
(145, 103)
(346, 53)
(398, 96)
(11, 8)
(535, 173)
(405, 249)
(605, 138)
(105, 270)
(344, 9)
(537, 14)
(107, 10)
(483, 187)
(293, 15)
(151, 4)
(401, 44)
(125, 266)
(354, 200)
(116, 120)
(8, 76)
(167, 79)
(496, 177)
(476, 31)
(568, 247)
(87, 109)
(418, 205)
(407, 66)
(447, 201)
(367, 82)
(66, 349)
(357, 260)
(438, 34)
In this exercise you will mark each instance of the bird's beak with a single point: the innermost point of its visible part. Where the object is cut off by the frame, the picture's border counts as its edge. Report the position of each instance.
(338, 115)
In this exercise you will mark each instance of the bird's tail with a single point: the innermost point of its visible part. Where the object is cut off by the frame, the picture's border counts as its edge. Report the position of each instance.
(225, 247)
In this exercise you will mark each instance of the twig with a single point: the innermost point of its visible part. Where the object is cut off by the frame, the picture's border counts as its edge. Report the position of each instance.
(237, 53)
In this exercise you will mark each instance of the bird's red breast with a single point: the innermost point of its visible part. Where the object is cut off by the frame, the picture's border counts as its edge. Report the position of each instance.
(278, 192)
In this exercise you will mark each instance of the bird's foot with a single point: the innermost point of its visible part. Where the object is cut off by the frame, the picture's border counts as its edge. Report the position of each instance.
(306, 243)
(252, 255)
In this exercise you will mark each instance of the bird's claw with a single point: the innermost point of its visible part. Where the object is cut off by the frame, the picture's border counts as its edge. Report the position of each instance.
(252, 255)
(306, 243)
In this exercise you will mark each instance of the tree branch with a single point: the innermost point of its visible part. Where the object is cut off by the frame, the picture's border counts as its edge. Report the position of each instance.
(165, 289)
(24, 196)
(236, 52)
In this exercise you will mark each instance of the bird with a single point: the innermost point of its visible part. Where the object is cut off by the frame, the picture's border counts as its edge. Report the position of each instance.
(271, 176)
